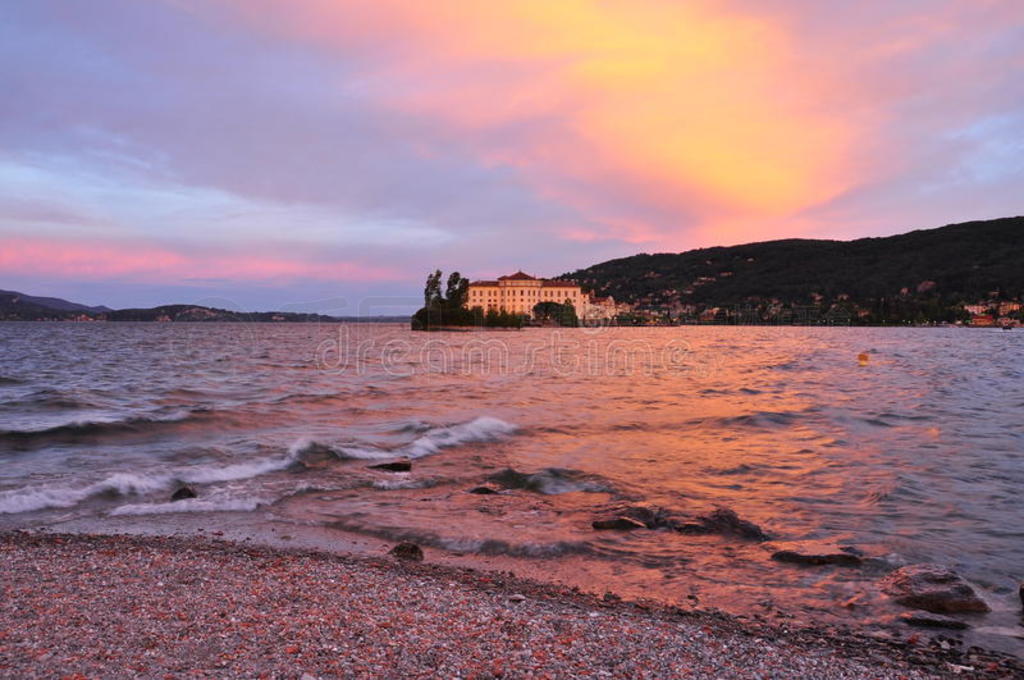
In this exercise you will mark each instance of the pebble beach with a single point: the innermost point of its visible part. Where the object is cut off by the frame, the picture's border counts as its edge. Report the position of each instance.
(80, 606)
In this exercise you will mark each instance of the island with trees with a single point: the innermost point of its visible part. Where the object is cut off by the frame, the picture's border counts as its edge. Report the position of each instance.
(447, 309)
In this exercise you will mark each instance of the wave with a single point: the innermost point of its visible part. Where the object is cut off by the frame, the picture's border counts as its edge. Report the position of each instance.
(191, 505)
(7, 380)
(552, 481)
(758, 420)
(314, 398)
(40, 498)
(741, 469)
(127, 484)
(48, 400)
(74, 429)
(434, 440)
(236, 472)
(300, 453)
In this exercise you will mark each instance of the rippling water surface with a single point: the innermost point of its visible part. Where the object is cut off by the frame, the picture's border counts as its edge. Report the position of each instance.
(915, 457)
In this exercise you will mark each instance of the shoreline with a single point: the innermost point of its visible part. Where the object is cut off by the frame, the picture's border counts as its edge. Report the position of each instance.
(143, 606)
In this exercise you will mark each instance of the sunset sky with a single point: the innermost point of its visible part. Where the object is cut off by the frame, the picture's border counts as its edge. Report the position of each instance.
(325, 154)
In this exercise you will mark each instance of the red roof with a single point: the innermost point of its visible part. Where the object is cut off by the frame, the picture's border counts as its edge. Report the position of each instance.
(518, 276)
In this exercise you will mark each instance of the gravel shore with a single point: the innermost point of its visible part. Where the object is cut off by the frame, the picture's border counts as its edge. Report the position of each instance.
(74, 606)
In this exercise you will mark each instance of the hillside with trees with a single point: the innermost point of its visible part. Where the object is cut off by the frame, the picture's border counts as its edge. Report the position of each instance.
(917, 277)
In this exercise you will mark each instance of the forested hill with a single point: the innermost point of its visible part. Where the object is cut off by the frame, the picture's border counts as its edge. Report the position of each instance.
(922, 272)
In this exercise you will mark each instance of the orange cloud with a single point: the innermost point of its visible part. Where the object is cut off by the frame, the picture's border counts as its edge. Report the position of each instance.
(139, 262)
(682, 108)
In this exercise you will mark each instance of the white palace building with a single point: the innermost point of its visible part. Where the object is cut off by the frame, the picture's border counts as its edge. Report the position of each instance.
(518, 293)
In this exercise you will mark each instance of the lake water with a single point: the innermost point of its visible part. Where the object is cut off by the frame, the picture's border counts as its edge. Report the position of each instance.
(917, 456)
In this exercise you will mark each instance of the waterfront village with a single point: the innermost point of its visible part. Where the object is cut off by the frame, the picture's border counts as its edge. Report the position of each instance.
(519, 299)
(521, 293)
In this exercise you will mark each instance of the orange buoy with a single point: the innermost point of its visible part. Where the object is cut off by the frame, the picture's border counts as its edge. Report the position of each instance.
(862, 358)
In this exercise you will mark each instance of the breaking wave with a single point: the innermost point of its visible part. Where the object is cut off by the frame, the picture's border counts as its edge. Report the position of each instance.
(434, 440)
(302, 452)
(127, 484)
(40, 498)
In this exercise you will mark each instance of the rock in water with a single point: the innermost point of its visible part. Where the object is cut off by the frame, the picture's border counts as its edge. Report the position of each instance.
(407, 551)
(927, 620)
(817, 553)
(619, 524)
(635, 517)
(183, 493)
(652, 518)
(483, 490)
(396, 466)
(839, 558)
(725, 522)
(932, 588)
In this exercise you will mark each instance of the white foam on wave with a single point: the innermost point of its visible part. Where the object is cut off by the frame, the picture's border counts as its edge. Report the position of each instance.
(236, 472)
(16, 501)
(128, 484)
(39, 498)
(434, 440)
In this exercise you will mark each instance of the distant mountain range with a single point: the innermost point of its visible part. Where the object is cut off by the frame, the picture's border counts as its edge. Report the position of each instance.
(30, 304)
(16, 306)
(927, 275)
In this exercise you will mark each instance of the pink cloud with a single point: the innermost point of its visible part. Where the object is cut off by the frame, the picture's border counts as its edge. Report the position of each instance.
(661, 121)
(141, 262)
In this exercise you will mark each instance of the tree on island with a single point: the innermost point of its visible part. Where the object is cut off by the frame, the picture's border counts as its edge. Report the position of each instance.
(457, 291)
(502, 319)
(449, 309)
(552, 312)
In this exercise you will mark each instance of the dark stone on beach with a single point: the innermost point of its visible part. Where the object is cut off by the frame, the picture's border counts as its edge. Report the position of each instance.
(396, 466)
(483, 490)
(816, 553)
(725, 522)
(619, 524)
(929, 620)
(183, 493)
(932, 588)
(407, 551)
